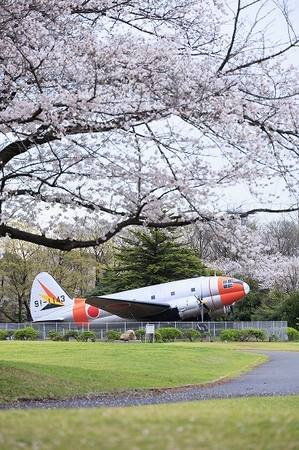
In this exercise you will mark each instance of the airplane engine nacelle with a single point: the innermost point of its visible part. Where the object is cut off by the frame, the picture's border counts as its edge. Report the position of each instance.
(219, 312)
(188, 307)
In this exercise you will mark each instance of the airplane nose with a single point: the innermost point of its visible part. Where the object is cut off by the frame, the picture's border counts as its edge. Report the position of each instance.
(246, 288)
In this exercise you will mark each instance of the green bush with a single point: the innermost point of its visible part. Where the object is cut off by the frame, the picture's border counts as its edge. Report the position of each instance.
(192, 334)
(84, 337)
(157, 335)
(169, 334)
(248, 333)
(230, 335)
(4, 334)
(293, 335)
(113, 335)
(25, 334)
(55, 335)
(140, 334)
(242, 335)
(71, 334)
(87, 336)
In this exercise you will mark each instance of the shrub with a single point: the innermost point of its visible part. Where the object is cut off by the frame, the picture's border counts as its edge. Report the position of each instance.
(192, 334)
(140, 334)
(55, 336)
(230, 335)
(158, 336)
(4, 335)
(87, 336)
(248, 333)
(71, 334)
(170, 334)
(24, 334)
(242, 335)
(112, 335)
(293, 335)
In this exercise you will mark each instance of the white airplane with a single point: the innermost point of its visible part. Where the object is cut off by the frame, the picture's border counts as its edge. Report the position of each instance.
(193, 299)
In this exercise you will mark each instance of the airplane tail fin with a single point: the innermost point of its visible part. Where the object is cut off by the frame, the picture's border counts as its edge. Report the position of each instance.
(48, 301)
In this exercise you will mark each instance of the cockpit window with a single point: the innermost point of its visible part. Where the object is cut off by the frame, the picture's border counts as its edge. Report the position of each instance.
(228, 284)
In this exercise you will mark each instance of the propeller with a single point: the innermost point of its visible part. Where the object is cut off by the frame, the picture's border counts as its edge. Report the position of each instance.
(201, 310)
(202, 305)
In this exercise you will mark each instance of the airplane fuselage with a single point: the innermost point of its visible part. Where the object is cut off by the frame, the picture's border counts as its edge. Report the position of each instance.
(195, 298)
(185, 297)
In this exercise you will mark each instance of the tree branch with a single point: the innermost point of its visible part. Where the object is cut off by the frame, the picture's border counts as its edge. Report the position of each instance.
(70, 244)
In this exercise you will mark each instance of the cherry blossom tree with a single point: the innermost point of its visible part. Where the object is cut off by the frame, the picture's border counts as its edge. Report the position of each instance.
(142, 113)
(266, 253)
(282, 236)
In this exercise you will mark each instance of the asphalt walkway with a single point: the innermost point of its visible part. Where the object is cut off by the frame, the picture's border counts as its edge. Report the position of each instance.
(278, 376)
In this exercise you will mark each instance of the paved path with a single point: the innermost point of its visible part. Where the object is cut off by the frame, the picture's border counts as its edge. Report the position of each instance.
(278, 376)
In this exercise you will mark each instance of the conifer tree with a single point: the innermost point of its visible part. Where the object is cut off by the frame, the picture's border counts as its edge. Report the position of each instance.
(148, 258)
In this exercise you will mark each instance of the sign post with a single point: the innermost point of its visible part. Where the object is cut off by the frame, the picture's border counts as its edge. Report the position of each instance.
(150, 329)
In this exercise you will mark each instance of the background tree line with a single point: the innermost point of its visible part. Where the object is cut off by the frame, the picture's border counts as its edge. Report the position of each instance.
(139, 258)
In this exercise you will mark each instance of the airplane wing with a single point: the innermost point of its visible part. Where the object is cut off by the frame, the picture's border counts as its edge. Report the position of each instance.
(128, 309)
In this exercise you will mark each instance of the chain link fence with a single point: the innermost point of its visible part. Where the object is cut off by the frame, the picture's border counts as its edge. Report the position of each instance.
(270, 328)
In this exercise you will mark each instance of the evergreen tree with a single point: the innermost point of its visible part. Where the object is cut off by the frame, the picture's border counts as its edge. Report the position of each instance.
(250, 304)
(290, 310)
(149, 258)
(272, 306)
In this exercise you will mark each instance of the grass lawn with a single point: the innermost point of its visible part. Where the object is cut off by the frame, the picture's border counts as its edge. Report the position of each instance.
(235, 424)
(61, 369)
(46, 369)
